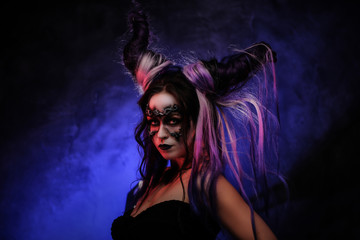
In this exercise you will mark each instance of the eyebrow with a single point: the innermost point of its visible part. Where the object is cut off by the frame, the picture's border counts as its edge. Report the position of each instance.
(172, 114)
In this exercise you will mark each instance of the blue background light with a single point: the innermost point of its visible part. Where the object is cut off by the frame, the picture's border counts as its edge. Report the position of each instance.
(68, 109)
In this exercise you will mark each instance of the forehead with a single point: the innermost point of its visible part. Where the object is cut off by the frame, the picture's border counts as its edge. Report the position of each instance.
(162, 100)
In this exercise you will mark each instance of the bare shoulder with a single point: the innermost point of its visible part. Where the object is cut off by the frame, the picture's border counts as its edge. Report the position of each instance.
(228, 198)
(224, 187)
(235, 213)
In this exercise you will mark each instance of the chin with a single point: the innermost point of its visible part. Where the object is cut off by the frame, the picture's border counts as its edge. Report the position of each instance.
(168, 157)
(172, 156)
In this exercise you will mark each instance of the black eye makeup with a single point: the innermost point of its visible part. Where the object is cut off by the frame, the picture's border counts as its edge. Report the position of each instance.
(153, 122)
(169, 117)
(172, 121)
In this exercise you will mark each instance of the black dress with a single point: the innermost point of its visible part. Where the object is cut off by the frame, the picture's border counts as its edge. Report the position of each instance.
(166, 220)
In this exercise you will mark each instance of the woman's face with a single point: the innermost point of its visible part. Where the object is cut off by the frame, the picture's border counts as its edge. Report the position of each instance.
(165, 121)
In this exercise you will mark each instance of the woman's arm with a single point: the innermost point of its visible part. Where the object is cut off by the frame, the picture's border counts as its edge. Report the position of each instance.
(235, 214)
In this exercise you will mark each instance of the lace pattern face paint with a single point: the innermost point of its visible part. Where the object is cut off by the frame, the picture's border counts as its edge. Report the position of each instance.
(167, 110)
(169, 117)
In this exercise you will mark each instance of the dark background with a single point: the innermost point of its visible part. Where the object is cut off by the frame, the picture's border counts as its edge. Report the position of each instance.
(68, 109)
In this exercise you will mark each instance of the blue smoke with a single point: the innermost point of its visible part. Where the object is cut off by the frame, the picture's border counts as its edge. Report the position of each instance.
(68, 163)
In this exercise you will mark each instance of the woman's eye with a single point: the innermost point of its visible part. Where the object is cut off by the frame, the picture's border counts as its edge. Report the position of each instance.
(173, 121)
(153, 122)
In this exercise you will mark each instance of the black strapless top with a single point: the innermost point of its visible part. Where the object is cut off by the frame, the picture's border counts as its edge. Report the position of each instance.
(166, 220)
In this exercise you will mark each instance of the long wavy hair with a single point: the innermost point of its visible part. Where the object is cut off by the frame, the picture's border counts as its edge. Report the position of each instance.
(231, 102)
(153, 165)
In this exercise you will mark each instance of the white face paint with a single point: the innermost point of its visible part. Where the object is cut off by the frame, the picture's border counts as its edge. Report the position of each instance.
(164, 120)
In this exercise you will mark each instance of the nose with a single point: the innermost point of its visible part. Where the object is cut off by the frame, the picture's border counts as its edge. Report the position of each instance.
(163, 132)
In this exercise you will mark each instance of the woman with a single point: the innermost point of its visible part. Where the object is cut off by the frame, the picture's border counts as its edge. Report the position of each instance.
(189, 114)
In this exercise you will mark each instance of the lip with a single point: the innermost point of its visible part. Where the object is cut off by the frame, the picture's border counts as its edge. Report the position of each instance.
(165, 147)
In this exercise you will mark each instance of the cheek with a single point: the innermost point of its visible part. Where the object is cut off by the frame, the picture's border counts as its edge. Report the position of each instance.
(153, 140)
(181, 150)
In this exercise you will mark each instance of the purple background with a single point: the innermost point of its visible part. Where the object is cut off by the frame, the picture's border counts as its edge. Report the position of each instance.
(68, 109)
